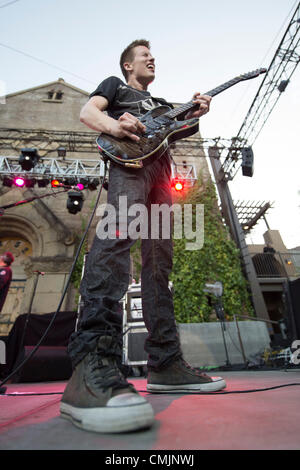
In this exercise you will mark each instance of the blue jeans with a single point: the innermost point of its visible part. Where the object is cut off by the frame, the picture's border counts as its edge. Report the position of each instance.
(106, 276)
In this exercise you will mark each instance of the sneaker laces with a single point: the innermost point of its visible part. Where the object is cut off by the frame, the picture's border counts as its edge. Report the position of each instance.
(197, 370)
(105, 372)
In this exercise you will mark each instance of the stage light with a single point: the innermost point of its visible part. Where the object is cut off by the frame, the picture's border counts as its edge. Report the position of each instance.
(74, 202)
(215, 289)
(55, 183)
(92, 185)
(7, 182)
(19, 181)
(28, 158)
(43, 183)
(61, 152)
(29, 183)
(178, 184)
(84, 182)
(80, 186)
(69, 181)
(247, 161)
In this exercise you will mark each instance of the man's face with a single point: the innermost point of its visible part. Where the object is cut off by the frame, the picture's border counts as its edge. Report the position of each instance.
(142, 65)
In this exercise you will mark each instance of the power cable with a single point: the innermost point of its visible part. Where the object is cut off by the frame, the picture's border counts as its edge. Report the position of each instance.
(172, 393)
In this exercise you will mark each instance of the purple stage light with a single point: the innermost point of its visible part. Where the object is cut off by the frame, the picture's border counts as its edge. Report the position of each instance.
(20, 182)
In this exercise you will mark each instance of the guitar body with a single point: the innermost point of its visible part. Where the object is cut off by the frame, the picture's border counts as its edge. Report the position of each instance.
(162, 129)
(160, 132)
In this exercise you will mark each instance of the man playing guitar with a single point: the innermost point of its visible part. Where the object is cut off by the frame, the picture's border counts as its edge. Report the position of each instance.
(98, 397)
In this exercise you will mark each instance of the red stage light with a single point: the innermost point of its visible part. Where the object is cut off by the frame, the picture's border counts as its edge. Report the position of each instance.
(55, 183)
(177, 184)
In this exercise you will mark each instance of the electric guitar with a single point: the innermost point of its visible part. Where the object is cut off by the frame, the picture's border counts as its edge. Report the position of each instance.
(162, 128)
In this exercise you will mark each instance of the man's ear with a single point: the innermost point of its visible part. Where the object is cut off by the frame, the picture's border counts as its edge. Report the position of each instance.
(127, 66)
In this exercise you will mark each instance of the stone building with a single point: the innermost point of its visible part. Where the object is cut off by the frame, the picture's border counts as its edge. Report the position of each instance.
(42, 234)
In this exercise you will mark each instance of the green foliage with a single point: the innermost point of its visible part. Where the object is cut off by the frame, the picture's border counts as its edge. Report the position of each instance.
(217, 260)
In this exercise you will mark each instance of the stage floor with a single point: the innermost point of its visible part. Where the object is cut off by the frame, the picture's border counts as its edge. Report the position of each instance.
(268, 419)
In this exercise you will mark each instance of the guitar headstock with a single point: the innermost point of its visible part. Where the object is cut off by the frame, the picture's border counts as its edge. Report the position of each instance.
(253, 74)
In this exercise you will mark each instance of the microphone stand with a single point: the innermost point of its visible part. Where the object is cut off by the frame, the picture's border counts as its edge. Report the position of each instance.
(221, 316)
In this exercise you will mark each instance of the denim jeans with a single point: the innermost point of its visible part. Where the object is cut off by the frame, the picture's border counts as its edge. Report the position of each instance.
(107, 272)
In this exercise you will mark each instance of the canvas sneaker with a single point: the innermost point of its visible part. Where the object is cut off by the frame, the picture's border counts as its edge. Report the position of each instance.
(180, 377)
(99, 398)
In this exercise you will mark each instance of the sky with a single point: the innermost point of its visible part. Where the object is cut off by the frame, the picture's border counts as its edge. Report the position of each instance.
(197, 46)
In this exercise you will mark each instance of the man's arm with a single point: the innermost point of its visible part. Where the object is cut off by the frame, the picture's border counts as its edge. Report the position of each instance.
(93, 116)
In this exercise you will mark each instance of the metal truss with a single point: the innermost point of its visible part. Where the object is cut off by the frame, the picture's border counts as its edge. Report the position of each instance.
(53, 168)
(78, 168)
(185, 172)
(279, 73)
(249, 213)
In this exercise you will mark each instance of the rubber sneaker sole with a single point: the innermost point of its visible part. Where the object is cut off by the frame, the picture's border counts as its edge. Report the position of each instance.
(217, 384)
(126, 412)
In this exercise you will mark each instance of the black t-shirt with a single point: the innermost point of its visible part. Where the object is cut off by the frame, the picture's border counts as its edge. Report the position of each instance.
(123, 98)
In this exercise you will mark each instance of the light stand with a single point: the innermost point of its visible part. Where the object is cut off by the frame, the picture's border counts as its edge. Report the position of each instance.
(216, 290)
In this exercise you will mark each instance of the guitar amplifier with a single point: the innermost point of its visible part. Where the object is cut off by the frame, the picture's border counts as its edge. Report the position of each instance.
(134, 330)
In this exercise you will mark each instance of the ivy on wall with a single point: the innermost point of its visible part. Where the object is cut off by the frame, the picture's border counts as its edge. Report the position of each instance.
(217, 260)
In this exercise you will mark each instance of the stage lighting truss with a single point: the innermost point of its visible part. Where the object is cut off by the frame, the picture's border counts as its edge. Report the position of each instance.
(183, 173)
(249, 213)
(69, 172)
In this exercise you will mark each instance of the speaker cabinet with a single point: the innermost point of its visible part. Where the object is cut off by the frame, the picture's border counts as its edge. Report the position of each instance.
(49, 363)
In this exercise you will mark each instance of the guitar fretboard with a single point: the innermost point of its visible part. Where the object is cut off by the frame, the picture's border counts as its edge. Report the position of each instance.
(173, 113)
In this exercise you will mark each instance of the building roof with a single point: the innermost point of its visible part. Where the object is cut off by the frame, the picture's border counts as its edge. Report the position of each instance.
(60, 81)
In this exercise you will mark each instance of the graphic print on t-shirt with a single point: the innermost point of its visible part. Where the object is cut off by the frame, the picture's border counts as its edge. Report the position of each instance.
(133, 101)
(123, 98)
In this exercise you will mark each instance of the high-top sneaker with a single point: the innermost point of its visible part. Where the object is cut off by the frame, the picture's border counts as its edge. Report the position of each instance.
(181, 377)
(99, 398)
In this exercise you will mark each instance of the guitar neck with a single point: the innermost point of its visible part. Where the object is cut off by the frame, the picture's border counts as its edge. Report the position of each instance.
(174, 113)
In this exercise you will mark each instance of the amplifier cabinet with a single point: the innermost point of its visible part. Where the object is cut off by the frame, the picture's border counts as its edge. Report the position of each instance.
(134, 329)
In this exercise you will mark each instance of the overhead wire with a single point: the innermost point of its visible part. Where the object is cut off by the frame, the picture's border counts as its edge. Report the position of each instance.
(9, 3)
(46, 63)
(249, 85)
